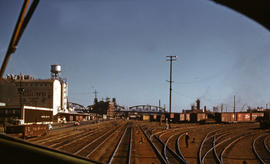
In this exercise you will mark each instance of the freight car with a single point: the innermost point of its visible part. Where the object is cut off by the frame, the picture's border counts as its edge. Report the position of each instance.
(31, 121)
(174, 117)
(71, 117)
(198, 117)
(146, 117)
(265, 122)
(28, 130)
(227, 117)
(243, 117)
(184, 117)
(155, 117)
(230, 117)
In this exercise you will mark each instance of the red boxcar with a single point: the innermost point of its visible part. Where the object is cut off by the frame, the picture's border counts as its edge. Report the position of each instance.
(227, 117)
(243, 117)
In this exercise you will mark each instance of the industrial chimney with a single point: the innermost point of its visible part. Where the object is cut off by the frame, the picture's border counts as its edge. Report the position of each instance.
(198, 104)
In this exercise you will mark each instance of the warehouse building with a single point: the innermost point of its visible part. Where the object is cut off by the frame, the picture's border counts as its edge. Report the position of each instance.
(24, 90)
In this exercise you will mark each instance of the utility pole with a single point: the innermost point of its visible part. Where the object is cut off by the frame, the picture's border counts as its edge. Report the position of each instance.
(234, 108)
(159, 105)
(95, 92)
(95, 99)
(171, 59)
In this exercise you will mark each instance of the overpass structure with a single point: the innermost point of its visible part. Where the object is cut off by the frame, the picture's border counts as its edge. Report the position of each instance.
(147, 108)
(77, 107)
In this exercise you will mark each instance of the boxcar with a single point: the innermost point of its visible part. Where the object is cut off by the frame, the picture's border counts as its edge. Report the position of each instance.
(174, 117)
(29, 130)
(265, 123)
(255, 116)
(187, 117)
(227, 117)
(197, 117)
(153, 117)
(243, 117)
(182, 117)
(267, 115)
(146, 118)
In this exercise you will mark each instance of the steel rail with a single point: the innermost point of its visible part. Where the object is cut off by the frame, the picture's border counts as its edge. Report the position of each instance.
(202, 143)
(161, 158)
(178, 150)
(229, 145)
(215, 151)
(78, 151)
(175, 154)
(44, 138)
(67, 136)
(88, 155)
(116, 148)
(73, 139)
(172, 152)
(265, 143)
(130, 146)
(254, 149)
(214, 144)
(81, 137)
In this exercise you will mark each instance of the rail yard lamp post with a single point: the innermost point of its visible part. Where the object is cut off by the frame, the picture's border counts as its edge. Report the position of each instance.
(20, 91)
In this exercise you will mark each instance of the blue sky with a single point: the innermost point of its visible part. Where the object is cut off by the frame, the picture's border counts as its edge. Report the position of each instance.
(119, 48)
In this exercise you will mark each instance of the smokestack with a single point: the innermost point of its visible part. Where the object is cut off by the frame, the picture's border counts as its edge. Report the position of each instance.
(198, 104)
(204, 109)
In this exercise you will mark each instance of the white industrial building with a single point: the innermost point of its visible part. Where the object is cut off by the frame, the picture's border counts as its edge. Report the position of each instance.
(19, 90)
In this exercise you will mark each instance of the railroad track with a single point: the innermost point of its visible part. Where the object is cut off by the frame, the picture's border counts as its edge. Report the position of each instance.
(147, 134)
(166, 154)
(68, 132)
(215, 142)
(63, 140)
(260, 148)
(122, 152)
(116, 143)
(170, 141)
(89, 145)
(71, 141)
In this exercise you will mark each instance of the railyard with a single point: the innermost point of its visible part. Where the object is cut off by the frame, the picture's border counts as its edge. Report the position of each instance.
(121, 141)
(39, 124)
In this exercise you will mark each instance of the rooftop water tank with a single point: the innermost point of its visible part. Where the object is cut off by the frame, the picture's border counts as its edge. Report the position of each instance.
(55, 68)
